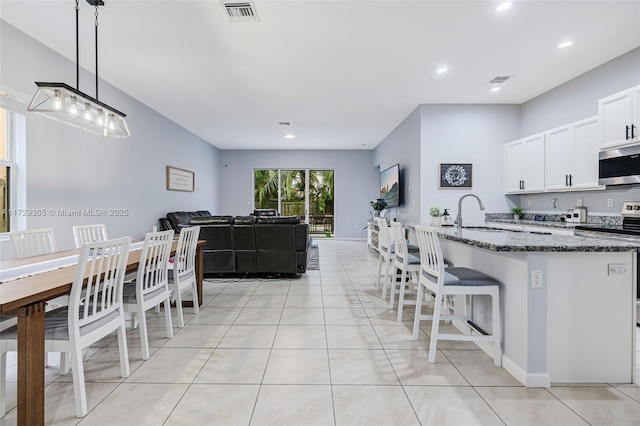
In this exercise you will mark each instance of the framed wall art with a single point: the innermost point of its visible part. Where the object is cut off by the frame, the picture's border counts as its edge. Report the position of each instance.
(180, 179)
(455, 175)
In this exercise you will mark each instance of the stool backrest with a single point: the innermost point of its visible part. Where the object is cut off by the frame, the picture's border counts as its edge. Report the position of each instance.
(431, 258)
(385, 240)
(400, 241)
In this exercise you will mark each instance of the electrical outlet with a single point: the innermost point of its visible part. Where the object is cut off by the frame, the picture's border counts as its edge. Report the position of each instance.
(610, 202)
(536, 278)
(616, 269)
(529, 202)
(579, 202)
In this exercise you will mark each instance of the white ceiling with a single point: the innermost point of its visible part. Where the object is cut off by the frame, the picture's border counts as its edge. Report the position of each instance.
(345, 73)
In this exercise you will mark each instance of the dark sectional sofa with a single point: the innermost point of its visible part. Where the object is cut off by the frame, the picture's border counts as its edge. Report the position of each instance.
(265, 244)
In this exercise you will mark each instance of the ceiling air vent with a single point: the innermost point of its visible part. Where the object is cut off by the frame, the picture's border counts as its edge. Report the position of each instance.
(284, 123)
(500, 79)
(244, 11)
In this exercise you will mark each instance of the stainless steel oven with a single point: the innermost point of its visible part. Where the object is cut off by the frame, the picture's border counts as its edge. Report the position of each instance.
(629, 231)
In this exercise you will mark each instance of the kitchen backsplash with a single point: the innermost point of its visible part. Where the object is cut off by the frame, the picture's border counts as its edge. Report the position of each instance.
(545, 217)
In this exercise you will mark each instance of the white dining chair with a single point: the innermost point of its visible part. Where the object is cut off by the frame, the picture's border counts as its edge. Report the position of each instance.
(407, 266)
(434, 277)
(33, 242)
(151, 286)
(94, 312)
(182, 274)
(83, 234)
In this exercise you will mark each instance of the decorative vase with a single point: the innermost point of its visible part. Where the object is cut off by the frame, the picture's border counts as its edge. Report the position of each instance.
(516, 217)
(376, 213)
(436, 220)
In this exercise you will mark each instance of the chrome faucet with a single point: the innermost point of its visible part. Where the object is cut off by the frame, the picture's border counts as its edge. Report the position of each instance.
(459, 217)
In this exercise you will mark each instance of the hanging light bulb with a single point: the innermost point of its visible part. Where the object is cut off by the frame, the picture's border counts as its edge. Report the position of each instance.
(87, 111)
(100, 119)
(57, 100)
(73, 106)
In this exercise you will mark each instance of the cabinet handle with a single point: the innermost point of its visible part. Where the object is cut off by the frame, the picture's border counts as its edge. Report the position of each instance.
(626, 133)
(633, 131)
(570, 180)
(566, 180)
(522, 184)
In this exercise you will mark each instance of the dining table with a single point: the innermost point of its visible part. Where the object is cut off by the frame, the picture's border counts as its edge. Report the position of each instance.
(43, 278)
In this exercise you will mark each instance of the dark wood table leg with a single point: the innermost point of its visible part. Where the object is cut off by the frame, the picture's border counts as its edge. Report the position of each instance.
(31, 365)
(199, 269)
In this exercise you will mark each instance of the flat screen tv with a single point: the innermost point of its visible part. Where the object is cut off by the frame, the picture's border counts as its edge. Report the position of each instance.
(390, 185)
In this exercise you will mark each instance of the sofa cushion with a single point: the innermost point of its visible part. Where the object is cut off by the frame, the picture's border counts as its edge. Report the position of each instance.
(212, 220)
(265, 212)
(178, 219)
(278, 220)
(244, 220)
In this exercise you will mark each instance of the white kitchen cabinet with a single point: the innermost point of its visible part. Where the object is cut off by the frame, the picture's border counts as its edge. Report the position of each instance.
(571, 156)
(524, 166)
(620, 118)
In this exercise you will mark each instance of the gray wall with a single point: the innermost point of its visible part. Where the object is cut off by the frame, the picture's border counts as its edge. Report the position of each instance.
(402, 146)
(572, 101)
(71, 169)
(466, 134)
(356, 182)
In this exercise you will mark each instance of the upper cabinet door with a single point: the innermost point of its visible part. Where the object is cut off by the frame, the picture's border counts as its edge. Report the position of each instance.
(514, 166)
(619, 117)
(534, 163)
(559, 152)
(587, 145)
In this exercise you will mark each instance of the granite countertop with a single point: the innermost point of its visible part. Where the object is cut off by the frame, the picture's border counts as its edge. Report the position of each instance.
(541, 223)
(501, 240)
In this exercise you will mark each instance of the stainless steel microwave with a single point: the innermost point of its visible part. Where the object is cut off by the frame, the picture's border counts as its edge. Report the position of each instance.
(619, 166)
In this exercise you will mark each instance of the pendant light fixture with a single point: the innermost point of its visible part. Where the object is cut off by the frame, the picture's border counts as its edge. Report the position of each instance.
(62, 102)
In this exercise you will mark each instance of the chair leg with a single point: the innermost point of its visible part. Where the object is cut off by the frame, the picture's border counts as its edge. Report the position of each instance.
(78, 382)
(403, 285)
(392, 288)
(385, 279)
(3, 382)
(144, 337)
(177, 297)
(416, 318)
(433, 343)
(196, 301)
(497, 333)
(167, 316)
(122, 349)
(64, 363)
(380, 257)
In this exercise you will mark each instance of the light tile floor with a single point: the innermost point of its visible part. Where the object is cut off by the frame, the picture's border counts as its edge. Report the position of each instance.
(323, 349)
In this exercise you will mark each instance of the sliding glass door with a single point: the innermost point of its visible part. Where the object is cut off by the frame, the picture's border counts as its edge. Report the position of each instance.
(297, 192)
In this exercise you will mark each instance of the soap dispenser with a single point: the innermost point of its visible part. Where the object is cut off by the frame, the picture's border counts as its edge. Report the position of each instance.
(446, 219)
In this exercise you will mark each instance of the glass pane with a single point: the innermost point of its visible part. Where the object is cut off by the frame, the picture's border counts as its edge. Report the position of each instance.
(4, 198)
(321, 202)
(4, 152)
(265, 189)
(292, 187)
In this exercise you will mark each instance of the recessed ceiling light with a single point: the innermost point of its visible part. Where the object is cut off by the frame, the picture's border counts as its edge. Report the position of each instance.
(505, 5)
(496, 89)
(565, 44)
(442, 70)
(289, 136)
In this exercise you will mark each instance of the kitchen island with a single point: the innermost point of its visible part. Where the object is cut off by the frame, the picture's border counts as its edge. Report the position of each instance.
(568, 303)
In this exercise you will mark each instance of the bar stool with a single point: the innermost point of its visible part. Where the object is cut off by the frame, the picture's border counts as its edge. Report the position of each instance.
(404, 263)
(434, 277)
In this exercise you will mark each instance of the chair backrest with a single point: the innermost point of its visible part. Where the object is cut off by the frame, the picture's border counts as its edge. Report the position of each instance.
(83, 234)
(431, 257)
(153, 269)
(385, 240)
(33, 242)
(101, 266)
(399, 241)
(184, 261)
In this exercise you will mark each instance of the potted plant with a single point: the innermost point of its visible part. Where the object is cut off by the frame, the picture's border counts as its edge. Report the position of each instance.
(517, 211)
(435, 216)
(378, 205)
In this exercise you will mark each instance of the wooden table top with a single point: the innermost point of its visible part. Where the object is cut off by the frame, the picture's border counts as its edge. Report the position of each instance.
(47, 285)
